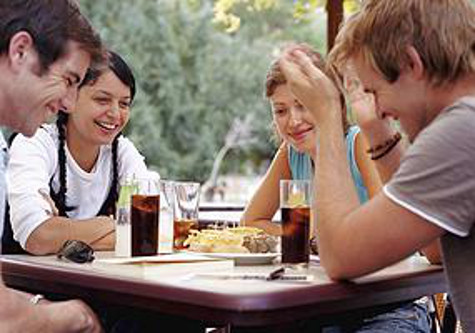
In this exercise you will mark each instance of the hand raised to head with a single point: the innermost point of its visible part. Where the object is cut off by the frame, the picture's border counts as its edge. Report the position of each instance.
(362, 103)
(310, 85)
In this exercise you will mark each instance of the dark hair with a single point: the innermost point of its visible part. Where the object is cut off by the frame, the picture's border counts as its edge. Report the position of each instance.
(51, 24)
(120, 68)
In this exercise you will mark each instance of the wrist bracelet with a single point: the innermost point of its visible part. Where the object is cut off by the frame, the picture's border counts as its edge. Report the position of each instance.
(36, 299)
(383, 146)
(388, 148)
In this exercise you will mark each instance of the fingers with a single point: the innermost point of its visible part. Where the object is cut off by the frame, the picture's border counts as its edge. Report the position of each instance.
(307, 66)
(291, 69)
(301, 64)
(352, 83)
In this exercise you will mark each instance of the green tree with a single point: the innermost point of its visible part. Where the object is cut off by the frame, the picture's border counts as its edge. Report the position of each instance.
(195, 79)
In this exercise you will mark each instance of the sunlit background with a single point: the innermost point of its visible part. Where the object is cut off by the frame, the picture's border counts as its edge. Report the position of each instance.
(200, 113)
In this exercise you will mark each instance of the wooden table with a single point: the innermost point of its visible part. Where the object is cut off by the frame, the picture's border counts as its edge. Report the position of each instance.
(239, 303)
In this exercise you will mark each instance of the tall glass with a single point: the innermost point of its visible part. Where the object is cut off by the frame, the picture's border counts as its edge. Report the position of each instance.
(145, 212)
(187, 198)
(167, 207)
(295, 202)
(123, 242)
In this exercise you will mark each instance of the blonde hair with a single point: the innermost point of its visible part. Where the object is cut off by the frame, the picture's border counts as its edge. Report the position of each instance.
(441, 31)
(275, 77)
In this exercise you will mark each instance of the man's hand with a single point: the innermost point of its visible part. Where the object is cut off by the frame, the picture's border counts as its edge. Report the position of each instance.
(310, 86)
(19, 314)
(362, 103)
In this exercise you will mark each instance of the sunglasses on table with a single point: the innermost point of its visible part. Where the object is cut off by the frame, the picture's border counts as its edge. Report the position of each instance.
(76, 251)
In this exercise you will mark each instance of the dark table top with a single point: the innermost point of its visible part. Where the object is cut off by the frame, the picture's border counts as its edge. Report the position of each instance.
(175, 290)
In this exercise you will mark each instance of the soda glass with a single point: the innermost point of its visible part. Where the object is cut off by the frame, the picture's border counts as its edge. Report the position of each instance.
(295, 202)
(145, 212)
(187, 198)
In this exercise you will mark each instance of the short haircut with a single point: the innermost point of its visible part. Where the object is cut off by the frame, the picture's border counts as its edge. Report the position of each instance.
(442, 32)
(51, 24)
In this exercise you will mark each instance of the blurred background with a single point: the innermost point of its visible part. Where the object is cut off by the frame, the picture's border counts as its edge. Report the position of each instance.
(200, 112)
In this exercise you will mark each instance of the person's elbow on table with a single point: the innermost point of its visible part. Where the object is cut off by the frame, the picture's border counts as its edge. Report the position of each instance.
(39, 243)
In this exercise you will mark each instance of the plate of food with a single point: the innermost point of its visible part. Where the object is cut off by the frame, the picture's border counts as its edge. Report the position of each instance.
(245, 245)
(246, 258)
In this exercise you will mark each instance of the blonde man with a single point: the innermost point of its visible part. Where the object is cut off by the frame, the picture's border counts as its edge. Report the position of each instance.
(417, 59)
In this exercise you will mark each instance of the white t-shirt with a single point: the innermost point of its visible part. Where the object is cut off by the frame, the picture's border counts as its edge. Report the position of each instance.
(34, 162)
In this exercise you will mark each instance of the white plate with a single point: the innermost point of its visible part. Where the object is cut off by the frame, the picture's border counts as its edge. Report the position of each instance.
(246, 258)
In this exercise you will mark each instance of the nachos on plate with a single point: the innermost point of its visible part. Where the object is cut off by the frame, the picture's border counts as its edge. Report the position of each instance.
(231, 240)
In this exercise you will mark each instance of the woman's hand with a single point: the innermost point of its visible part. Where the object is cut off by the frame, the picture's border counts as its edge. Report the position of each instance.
(310, 86)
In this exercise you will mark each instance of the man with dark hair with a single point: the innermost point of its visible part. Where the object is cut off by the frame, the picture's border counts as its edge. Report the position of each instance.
(46, 47)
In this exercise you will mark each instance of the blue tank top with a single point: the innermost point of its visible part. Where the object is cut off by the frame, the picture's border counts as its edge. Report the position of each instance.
(301, 164)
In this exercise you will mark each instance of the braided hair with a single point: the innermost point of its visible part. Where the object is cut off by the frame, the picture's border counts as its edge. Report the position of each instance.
(120, 68)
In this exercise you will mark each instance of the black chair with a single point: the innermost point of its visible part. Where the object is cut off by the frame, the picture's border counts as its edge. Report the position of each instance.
(444, 318)
(9, 244)
(449, 321)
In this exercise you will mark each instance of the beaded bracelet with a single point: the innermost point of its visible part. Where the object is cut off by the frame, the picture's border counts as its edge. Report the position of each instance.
(383, 146)
(390, 147)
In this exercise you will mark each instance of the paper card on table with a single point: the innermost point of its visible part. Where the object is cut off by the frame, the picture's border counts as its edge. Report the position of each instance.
(253, 276)
(160, 259)
(152, 270)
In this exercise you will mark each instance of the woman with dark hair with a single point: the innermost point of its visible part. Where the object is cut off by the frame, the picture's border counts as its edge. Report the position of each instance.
(74, 167)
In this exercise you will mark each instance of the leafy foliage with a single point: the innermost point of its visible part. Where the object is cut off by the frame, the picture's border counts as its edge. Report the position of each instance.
(195, 79)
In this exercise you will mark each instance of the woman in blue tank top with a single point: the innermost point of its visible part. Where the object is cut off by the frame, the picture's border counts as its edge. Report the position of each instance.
(295, 156)
(295, 160)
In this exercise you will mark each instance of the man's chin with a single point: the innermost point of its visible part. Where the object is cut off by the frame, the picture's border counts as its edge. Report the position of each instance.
(29, 133)
(27, 129)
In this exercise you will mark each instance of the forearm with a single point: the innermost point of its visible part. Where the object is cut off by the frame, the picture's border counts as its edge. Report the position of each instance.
(51, 235)
(265, 201)
(18, 314)
(268, 226)
(433, 252)
(375, 135)
(336, 196)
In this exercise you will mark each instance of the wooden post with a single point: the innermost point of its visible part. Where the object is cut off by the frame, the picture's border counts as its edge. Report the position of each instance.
(335, 18)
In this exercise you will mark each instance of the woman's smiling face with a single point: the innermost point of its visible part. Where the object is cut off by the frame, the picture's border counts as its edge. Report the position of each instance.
(293, 122)
(102, 110)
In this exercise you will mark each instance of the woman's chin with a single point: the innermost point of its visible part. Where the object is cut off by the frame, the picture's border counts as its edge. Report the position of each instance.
(302, 146)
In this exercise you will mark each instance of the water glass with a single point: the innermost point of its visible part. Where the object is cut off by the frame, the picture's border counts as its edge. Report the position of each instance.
(187, 197)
